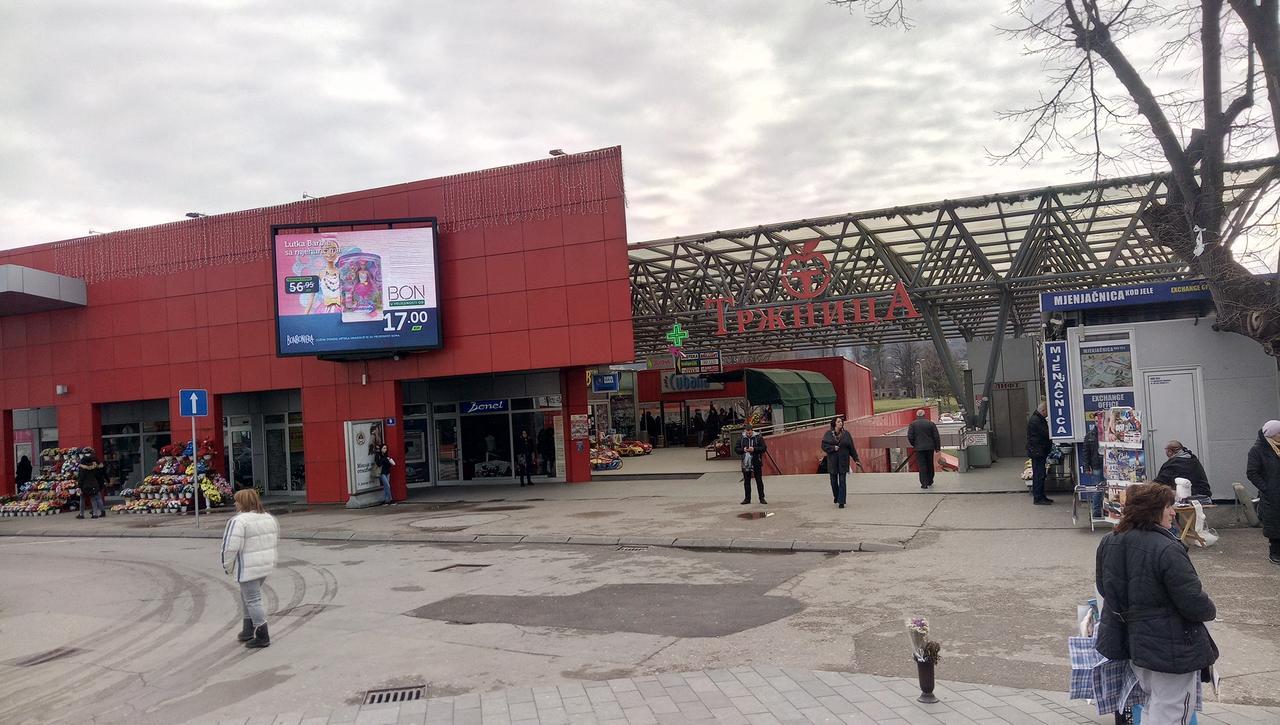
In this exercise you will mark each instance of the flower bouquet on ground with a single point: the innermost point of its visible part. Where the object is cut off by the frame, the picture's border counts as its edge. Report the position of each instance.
(927, 653)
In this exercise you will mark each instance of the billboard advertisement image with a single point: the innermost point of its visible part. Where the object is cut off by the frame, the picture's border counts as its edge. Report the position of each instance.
(355, 292)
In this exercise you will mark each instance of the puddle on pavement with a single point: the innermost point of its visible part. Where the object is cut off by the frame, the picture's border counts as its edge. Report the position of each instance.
(756, 515)
(669, 610)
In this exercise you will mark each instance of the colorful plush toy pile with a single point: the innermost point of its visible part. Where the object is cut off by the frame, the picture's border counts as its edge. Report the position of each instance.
(168, 489)
(54, 490)
(634, 448)
(605, 459)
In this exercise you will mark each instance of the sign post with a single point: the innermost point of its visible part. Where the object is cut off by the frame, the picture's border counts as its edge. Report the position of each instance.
(194, 403)
(1058, 386)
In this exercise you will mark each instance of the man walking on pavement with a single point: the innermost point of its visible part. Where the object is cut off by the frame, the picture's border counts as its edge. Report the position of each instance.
(752, 449)
(922, 435)
(1038, 445)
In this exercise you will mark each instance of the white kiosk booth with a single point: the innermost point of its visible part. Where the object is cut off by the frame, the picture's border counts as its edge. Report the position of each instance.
(1152, 347)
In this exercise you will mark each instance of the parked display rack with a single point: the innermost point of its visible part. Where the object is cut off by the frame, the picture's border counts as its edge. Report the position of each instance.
(168, 489)
(54, 490)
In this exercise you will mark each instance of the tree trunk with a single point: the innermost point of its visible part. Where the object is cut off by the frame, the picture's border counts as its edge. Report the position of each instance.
(1246, 304)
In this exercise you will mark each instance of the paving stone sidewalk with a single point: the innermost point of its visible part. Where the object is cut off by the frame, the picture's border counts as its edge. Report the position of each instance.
(749, 695)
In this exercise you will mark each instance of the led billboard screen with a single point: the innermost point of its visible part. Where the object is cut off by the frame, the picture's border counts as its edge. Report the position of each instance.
(356, 292)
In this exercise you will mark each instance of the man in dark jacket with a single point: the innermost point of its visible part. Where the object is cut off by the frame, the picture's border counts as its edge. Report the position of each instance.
(751, 449)
(1154, 608)
(1183, 463)
(922, 435)
(1038, 445)
(1264, 473)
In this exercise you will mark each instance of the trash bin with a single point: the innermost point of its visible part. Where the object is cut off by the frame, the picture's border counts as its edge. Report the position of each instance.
(980, 455)
(976, 447)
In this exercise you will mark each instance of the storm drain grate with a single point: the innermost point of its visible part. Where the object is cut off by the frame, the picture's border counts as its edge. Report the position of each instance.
(395, 694)
(42, 657)
(633, 548)
(461, 568)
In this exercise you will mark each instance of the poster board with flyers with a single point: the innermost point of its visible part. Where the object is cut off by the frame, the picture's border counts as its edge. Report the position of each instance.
(1124, 461)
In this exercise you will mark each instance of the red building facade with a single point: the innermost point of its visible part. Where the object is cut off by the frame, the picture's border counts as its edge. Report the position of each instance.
(534, 290)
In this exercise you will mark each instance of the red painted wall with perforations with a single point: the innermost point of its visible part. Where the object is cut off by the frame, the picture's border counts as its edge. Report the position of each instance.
(550, 291)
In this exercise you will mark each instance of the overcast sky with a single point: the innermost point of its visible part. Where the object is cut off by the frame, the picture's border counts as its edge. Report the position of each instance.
(123, 114)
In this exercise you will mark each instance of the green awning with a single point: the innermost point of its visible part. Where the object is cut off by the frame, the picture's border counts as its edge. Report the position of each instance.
(785, 388)
(821, 391)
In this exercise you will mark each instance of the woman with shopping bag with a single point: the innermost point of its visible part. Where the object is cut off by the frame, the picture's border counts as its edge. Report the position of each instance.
(1154, 607)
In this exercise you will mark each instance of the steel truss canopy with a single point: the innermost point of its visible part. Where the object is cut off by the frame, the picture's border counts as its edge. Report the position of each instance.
(960, 261)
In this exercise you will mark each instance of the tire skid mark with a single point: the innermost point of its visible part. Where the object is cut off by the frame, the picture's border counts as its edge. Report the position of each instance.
(174, 587)
(113, 684)
(142, 635)
(234, 651)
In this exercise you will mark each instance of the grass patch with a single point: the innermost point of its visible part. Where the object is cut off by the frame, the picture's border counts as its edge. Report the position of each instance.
(886, 405)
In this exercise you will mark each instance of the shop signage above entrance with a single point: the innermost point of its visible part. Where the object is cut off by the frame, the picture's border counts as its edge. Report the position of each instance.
(1137, 294)
(606, 382)
(805, 275)
(1058, 382)
(706, 361)
(474, 407)
(677, 383)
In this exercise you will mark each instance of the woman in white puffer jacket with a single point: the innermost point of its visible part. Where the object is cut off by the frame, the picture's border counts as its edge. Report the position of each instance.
(249, 553)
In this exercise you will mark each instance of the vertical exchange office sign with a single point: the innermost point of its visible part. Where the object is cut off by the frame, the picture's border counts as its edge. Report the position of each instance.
(1057, 379)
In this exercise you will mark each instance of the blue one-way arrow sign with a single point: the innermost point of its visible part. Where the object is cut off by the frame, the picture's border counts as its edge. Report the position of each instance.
(193, 402)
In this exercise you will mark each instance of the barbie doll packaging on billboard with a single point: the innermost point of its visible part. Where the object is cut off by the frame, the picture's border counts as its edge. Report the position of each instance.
(355, 292)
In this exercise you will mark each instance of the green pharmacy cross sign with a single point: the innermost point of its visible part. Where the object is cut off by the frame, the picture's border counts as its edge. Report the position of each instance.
(677, 336)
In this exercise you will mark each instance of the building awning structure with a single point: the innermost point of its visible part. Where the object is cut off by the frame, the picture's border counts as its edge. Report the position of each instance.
(802, 394)
(24, 290)
(971, 268)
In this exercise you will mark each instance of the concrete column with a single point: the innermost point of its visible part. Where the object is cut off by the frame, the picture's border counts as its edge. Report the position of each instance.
(8, 471)
(574, 393)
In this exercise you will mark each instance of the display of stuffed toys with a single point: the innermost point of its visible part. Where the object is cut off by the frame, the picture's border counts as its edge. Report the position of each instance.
(605, 459)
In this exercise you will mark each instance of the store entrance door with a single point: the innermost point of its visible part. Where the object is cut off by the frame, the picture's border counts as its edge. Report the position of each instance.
(1173, 397)
(240, 454)
(447, 456)
(1009, 418)
(285, 461)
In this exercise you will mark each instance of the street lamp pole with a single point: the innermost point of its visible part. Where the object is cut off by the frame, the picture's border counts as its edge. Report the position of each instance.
(920, 368)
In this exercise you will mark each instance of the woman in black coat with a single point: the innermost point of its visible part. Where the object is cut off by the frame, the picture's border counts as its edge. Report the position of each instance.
(524, 458)
(1264, 473)
(89, 480)
(24, 471)
(838, 445)
(1154, 608)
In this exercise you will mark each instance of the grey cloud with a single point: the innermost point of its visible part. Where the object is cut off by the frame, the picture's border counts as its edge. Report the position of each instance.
(116, 114)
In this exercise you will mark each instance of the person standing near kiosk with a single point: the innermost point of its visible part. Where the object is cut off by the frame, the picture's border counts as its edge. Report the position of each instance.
(1038, 445)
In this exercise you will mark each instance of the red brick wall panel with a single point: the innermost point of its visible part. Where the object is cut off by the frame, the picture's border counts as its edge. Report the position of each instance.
(517, 294)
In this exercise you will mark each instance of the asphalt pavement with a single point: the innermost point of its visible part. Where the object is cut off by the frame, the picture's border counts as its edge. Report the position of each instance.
(128, 619)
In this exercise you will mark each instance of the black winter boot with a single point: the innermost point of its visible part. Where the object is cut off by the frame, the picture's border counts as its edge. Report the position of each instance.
(261, 638)
(246, 632)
